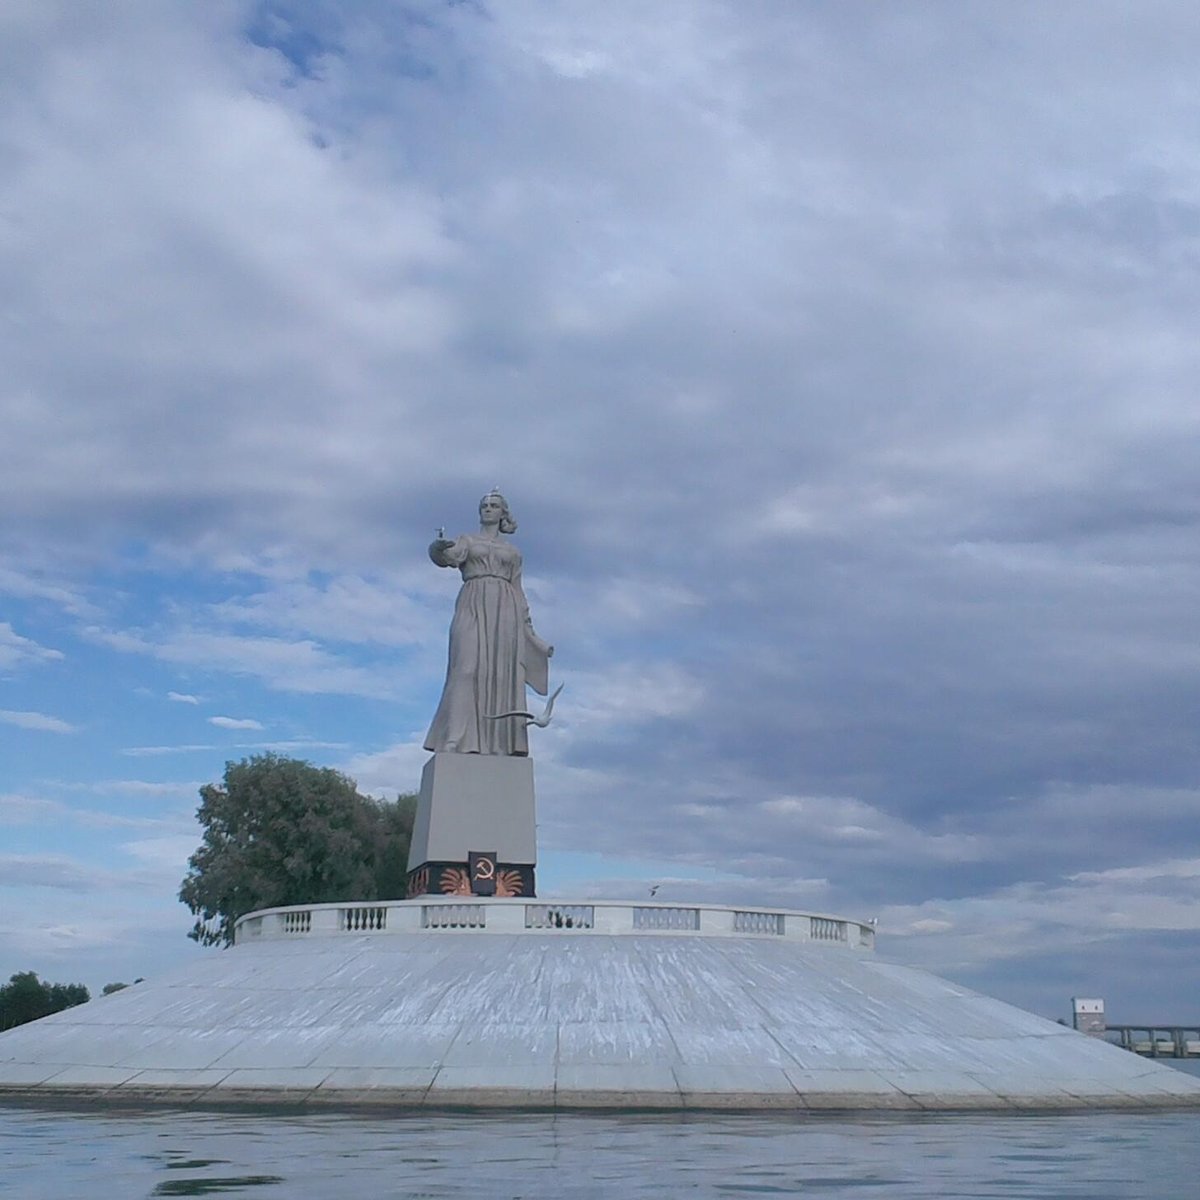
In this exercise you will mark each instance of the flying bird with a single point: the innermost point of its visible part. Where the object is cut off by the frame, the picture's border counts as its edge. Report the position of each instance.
(654, 889)
(531, 718)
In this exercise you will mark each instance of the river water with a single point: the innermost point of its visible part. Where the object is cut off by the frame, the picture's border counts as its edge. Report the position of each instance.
(1098, 1156)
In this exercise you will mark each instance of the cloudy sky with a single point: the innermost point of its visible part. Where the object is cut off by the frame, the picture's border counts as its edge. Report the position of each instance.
(839, 362)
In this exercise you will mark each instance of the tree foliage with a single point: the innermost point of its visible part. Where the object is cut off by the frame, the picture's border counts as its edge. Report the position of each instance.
(281, 831)
(27, 998)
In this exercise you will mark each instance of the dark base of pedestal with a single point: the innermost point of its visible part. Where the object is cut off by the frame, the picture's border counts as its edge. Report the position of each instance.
(455, 879)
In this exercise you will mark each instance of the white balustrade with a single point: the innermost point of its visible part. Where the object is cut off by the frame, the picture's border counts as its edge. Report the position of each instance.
(591, 918)
(758, 922)
(363, 920)
(560, 916)
(454, 916)
(298, 920)
(828, 929)
(665, 917)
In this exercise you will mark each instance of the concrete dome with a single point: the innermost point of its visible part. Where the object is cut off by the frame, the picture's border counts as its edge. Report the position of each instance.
(494, 1006)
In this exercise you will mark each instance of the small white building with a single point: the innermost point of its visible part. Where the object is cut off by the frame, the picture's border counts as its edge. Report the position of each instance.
(1088, 1016)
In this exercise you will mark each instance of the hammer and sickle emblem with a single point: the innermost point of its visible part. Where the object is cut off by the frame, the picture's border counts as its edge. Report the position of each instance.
(485, 868)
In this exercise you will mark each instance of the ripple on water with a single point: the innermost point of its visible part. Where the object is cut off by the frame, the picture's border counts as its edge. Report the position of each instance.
(210, 1186)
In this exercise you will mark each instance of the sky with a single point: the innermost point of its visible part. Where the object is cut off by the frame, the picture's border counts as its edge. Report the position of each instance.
(838, 361)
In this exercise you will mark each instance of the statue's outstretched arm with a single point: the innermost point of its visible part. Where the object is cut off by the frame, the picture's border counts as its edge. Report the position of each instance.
(441, 552)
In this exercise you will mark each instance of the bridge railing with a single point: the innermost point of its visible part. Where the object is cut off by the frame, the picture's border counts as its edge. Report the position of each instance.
(1157, 1041)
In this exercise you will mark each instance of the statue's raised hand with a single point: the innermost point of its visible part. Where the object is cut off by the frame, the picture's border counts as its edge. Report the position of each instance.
(439, 548)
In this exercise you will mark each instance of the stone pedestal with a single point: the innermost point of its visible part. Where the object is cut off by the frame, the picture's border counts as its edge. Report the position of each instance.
(476, 828)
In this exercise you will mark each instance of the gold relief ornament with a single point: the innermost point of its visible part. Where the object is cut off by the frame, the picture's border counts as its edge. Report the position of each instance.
(418, 883)
(455, 882)
(509, 883)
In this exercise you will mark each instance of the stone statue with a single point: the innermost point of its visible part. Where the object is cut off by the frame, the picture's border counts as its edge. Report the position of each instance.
(494, 651)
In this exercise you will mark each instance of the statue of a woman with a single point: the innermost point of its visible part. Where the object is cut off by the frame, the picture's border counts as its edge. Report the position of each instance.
(494, 651)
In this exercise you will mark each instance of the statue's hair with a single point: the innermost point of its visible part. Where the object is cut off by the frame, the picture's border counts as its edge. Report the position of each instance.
(508, 523)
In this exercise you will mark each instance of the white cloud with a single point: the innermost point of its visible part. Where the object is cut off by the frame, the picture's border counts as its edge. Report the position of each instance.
(1145, 875)
(25, 810)
(165, 856)
(26, 586)
(853, 451)
(1033, 919)
(16, 809)
(183, 698)
(235, 723)
(862, 827)
(285, 745)
(288, 666)
(307, 270)
(60, 872)
(36, 721)
(114, 936)
(627, 694)
(155, 751)
(16, 650)
(389, 772)
(166, 789)
(347, 608)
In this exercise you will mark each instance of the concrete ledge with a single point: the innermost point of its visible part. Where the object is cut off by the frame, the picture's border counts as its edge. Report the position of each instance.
(399, 1099)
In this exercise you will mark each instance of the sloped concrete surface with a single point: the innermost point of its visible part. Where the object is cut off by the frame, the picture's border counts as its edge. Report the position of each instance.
(543, 1020)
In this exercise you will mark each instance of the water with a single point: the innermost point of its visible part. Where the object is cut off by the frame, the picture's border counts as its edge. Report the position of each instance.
(1097, 1156)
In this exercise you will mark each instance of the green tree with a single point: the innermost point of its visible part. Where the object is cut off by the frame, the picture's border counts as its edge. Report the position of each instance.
(391, 838)
(26, 998)
(281, 831)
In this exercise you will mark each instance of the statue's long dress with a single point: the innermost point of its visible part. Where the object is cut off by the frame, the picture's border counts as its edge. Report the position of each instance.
(492, 655)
